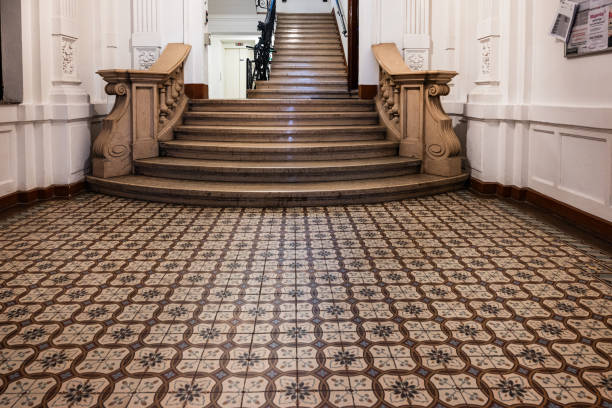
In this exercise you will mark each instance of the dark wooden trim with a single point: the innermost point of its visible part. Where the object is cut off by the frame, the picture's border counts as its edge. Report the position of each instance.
(579, 218)
(353, 44)
(196, 91)
(39, 194)
(368, 91)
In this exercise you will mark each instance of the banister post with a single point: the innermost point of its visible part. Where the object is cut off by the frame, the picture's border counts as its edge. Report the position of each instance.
(417, 119)
(148, 106)
(112, 148)
(442, 147)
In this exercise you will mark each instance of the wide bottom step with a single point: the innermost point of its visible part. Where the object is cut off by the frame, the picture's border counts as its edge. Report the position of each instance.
(275, 194)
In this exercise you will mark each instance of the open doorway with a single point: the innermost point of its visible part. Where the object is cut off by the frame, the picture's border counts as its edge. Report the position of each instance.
(227, 57)
(234, 70)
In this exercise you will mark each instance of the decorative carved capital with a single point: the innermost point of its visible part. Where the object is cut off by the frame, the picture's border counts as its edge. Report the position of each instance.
(118, 89)
(439, 90)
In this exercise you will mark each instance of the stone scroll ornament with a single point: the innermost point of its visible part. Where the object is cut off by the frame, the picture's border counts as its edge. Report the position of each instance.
(409, 105)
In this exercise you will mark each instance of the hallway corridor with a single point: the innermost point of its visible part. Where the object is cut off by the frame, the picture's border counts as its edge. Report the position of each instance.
(451, 299)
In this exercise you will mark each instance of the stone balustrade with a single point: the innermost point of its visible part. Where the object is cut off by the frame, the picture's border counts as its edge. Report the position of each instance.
(149, 104)
(409, 105)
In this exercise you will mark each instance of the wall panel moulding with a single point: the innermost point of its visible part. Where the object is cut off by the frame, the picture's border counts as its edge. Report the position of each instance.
(40, 194)
(580, 219)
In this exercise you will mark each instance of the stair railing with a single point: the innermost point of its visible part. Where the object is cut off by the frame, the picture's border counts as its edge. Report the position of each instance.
(259, 68)
(342, 18)
(408, 103)
(149, 104)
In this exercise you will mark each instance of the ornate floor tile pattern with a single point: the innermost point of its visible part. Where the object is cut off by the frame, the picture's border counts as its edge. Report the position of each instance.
(446, 301)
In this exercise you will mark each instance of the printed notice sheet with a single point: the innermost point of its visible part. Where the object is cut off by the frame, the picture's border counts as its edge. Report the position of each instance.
(592, 28)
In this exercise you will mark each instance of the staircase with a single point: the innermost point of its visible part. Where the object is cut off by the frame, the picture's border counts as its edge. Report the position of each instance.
(309, 61)
(300, 139)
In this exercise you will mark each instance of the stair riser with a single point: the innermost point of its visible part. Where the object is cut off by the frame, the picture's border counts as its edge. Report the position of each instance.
(334, 59)
(305, 53)
(278, 175)
(267, 138)
(307, 27)
(305, 32)
(307, 65)
(215, 121)
(307, 48)
(312, 40)
(327, 73)
(298, 96)
(287, 155)
(341, 106)
(310, 75)
(311, 88)
(303, 82)
(249, 199)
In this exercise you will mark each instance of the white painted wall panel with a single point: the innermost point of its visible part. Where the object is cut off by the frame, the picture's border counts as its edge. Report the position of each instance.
(545, 156)
(8, 157)
(581, 158)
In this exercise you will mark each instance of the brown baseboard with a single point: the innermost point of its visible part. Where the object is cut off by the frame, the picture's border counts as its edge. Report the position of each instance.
(196, 91)
(39, 194)
(581, 219)
(368, 91)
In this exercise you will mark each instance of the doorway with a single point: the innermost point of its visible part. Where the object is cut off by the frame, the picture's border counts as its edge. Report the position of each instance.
(234, 70)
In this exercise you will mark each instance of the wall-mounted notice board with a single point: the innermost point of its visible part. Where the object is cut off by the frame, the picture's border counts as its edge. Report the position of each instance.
(592, 29)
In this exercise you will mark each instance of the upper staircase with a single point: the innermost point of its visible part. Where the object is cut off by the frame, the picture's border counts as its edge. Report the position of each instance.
(300, 138)
(308, 62)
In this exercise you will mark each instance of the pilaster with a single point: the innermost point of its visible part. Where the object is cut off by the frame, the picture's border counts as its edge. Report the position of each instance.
(417, 34)
(489, 53)
(65, 82)
(146, 37)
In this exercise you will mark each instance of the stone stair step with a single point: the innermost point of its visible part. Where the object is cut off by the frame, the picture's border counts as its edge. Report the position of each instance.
(190, 149)
(307, 81)
(300, 94)
(308, 25)
(291, 46)
(307, 32)
(282, 58)
(306, 37)
(275, 172)
(328, 74)
(280, 118)
(312, 86)
(281, 134)
(280, 105)
(275, 194)
(301, 52)
(305, 73)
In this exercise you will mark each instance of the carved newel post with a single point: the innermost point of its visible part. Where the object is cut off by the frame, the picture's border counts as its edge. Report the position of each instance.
(409, 105)
(148, 106)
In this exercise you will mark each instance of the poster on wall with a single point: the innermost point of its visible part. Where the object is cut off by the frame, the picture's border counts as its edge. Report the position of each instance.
(592, 29)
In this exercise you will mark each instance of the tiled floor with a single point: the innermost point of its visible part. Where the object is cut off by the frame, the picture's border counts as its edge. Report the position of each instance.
(450, 300)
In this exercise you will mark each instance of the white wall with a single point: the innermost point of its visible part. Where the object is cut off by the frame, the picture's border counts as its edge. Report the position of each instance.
(529, 117)
(304, 6)
(46, 140)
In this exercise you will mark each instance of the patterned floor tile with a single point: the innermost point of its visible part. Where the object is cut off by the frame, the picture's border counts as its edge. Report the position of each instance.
(443, 301)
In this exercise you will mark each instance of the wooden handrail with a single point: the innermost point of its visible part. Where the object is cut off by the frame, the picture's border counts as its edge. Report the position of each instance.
(149, 104)
(409, 105)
